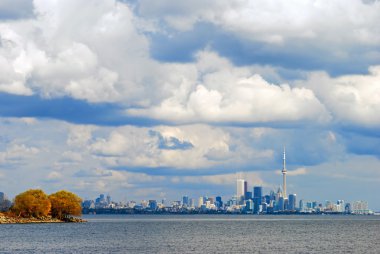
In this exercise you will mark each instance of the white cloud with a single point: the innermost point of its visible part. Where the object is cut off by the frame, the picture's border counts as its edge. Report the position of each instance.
(253, 178)
(96, 56)
(79, 135)
(276, 22)
(54, 176)
(234, 94)
(17, 153)
(352, 99)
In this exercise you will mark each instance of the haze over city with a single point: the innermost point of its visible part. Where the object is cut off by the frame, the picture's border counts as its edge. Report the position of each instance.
(159, 99)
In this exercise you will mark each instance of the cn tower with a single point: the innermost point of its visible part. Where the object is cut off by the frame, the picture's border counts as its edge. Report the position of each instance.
(284, 176)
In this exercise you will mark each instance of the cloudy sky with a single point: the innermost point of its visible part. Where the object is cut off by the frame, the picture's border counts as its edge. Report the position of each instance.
(158, 99)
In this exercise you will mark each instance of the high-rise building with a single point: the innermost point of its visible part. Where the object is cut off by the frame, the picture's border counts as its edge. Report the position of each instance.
(248, 195)
(218, 202)
(241, 186)
(191, 202)
(281, 204)
(185, 201)
(360, 207)
(292, 202)
(257, 198)
(257, 192)
(249, 206)
(340, 206)
(201, 201)
(152, 204)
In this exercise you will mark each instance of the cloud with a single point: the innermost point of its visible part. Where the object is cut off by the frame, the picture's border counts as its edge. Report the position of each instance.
(352, 99)
(17, 153)
(60, 60)
(231, 94)
(330, 36)
(225, 179)
(54, 176)
(274, 22)
(170, 143)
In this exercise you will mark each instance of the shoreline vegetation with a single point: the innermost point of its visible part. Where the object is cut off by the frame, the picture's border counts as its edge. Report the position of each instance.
(34, 206)
(7, 218)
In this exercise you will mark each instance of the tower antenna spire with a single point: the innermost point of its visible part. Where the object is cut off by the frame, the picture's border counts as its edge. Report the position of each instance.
(284, 174)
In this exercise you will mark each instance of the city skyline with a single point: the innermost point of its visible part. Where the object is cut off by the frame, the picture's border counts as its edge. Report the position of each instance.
(157, 99)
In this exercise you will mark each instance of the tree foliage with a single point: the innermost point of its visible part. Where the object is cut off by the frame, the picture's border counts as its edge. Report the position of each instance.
(64, 204)
(32, 203)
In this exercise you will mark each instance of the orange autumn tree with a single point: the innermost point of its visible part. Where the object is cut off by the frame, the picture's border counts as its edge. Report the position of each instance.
(32, 203)
(64, 204)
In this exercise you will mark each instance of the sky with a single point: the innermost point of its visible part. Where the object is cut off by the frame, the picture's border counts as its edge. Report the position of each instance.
(159, 99)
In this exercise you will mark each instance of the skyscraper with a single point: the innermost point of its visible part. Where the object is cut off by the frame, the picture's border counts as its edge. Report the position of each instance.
(185, 201)
(218, 202)
(284, 176)
(292, 202)
(257, 198)
(241, 189)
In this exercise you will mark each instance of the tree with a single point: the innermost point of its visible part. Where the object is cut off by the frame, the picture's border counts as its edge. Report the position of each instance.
(64, 204)
(32, 203)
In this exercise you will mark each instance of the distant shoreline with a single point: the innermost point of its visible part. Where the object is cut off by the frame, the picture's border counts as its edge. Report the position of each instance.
(103, 211)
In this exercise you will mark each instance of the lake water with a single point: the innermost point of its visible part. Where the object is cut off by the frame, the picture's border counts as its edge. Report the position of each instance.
(197, 234)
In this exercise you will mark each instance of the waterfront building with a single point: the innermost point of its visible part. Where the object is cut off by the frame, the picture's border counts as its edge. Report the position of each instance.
(257, 197)
(292, 202)
(281, 204)
(241, 189)
(185, 201)
(249, 205)
(360, 207)
(153, 205)
(218, 202)
(192, 202)
(347, 208)
(248, 195)
(201, 201)
(340, 206)
(267, 199)
(144, 203)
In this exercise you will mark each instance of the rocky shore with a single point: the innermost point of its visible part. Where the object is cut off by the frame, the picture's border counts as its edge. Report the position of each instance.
(8, 219)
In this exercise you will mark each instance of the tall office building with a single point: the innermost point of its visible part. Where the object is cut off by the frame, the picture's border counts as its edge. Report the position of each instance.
(257, 192)
(257, 198)
(241, 189)
(201, 201)
(292, 202)
(284, 175)
(185, 201)
(281, 204)
(218, 202)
